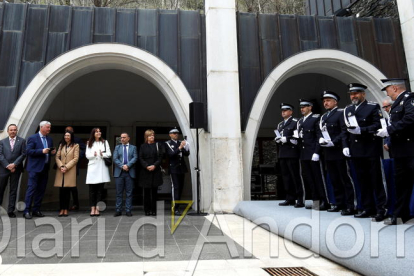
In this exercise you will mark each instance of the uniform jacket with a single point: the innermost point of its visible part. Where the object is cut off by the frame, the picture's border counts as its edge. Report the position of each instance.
(288, 150)
(67, 157)
(401, 128)
(150, 154)
(119, 159)
(335, 125)
(309, 133)
(98, 172)
(176, 157)
(35, 157)
(366, 144)
(7, 156)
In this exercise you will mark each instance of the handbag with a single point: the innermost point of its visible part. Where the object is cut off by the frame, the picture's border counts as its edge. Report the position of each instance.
(164, 173)
(107, 160)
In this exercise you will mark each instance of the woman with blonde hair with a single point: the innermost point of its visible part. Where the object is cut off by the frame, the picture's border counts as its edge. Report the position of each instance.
(67, 157)
(150, 177)
(97, 175)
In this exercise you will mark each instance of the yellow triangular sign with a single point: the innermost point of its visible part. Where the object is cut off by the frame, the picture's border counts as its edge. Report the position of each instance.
(174, 224)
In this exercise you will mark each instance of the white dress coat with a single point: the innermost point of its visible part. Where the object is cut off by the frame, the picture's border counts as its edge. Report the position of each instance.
(97, 172)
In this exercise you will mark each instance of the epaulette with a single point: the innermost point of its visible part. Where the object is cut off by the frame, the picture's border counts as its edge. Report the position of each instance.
(372, 103)
(316, 115)
(340, 109)
(294, 119)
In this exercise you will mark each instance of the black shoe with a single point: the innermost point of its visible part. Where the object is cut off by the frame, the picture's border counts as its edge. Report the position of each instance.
(308, 207)
(27, 216)
(11, 215)
(38, 214)
(378, 217)
(299, 204)
(335, 209)
(347, 212)
(363, 214)
(392, 221)
(287, 203)
(128, 214)
(60, 215)
(117, 214)
(324, 206)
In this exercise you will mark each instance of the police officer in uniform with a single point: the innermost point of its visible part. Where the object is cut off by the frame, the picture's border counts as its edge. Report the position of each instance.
(331, 140)
(311, 168)
(365, 150)
(176, 150)
(289, 158)
(401, 133)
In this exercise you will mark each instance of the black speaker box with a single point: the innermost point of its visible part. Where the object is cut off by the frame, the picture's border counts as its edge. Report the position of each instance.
(197, 115)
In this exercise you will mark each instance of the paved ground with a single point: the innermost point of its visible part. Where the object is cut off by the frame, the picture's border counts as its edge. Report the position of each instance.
(119, 256)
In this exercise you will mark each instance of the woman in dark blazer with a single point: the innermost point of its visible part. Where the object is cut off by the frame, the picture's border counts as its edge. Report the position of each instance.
(150, 177)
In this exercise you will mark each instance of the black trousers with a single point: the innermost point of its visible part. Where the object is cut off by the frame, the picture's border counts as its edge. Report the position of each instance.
(178, 184)
(14, 183)
(150, 200)
(369, 174)
(95, 193)
(64, 198)
(314, 180)
(75, 197)
(342, 183)
(404, 181)
(291, 178)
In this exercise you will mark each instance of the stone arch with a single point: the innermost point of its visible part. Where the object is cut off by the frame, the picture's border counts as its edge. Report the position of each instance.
(334, 63)
(47, 84)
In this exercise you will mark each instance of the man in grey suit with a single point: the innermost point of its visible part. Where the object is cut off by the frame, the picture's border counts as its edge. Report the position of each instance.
(12, 154)
(125, 157)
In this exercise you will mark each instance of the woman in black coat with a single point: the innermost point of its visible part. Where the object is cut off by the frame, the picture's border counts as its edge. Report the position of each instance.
(150, 177)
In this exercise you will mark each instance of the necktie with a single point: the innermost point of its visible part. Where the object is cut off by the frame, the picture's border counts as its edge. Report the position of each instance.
(12, 144)
(45, 146)
(125, 155)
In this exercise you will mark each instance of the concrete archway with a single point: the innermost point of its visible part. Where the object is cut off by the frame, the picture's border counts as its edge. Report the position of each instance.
(336, 64)
(46, 85)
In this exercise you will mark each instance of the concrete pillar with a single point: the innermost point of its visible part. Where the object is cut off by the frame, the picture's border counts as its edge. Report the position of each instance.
(223, 105)
(406, 11)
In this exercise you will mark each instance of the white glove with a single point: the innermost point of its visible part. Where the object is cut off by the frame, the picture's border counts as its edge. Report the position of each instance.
(283, 140)
(315, 157)
(345, 151)
(277, 139)
(330, 144)
(383, 132)
(356, 130)
(322, 141)
(293, 141)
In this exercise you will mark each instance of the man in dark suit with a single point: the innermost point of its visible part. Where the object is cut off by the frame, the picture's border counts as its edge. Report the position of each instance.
(312, 171)
(125, 157)
(401, 133)
(365, 150)
(331, 140)
(176, 151)
(82, 149)
(12, 154)
(39, 150)
(288, 155)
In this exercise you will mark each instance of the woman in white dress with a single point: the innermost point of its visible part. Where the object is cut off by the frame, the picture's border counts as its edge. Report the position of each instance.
(98, 173)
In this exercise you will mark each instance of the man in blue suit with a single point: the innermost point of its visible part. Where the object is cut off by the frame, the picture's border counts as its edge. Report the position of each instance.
(125, 157)
(39, 151)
